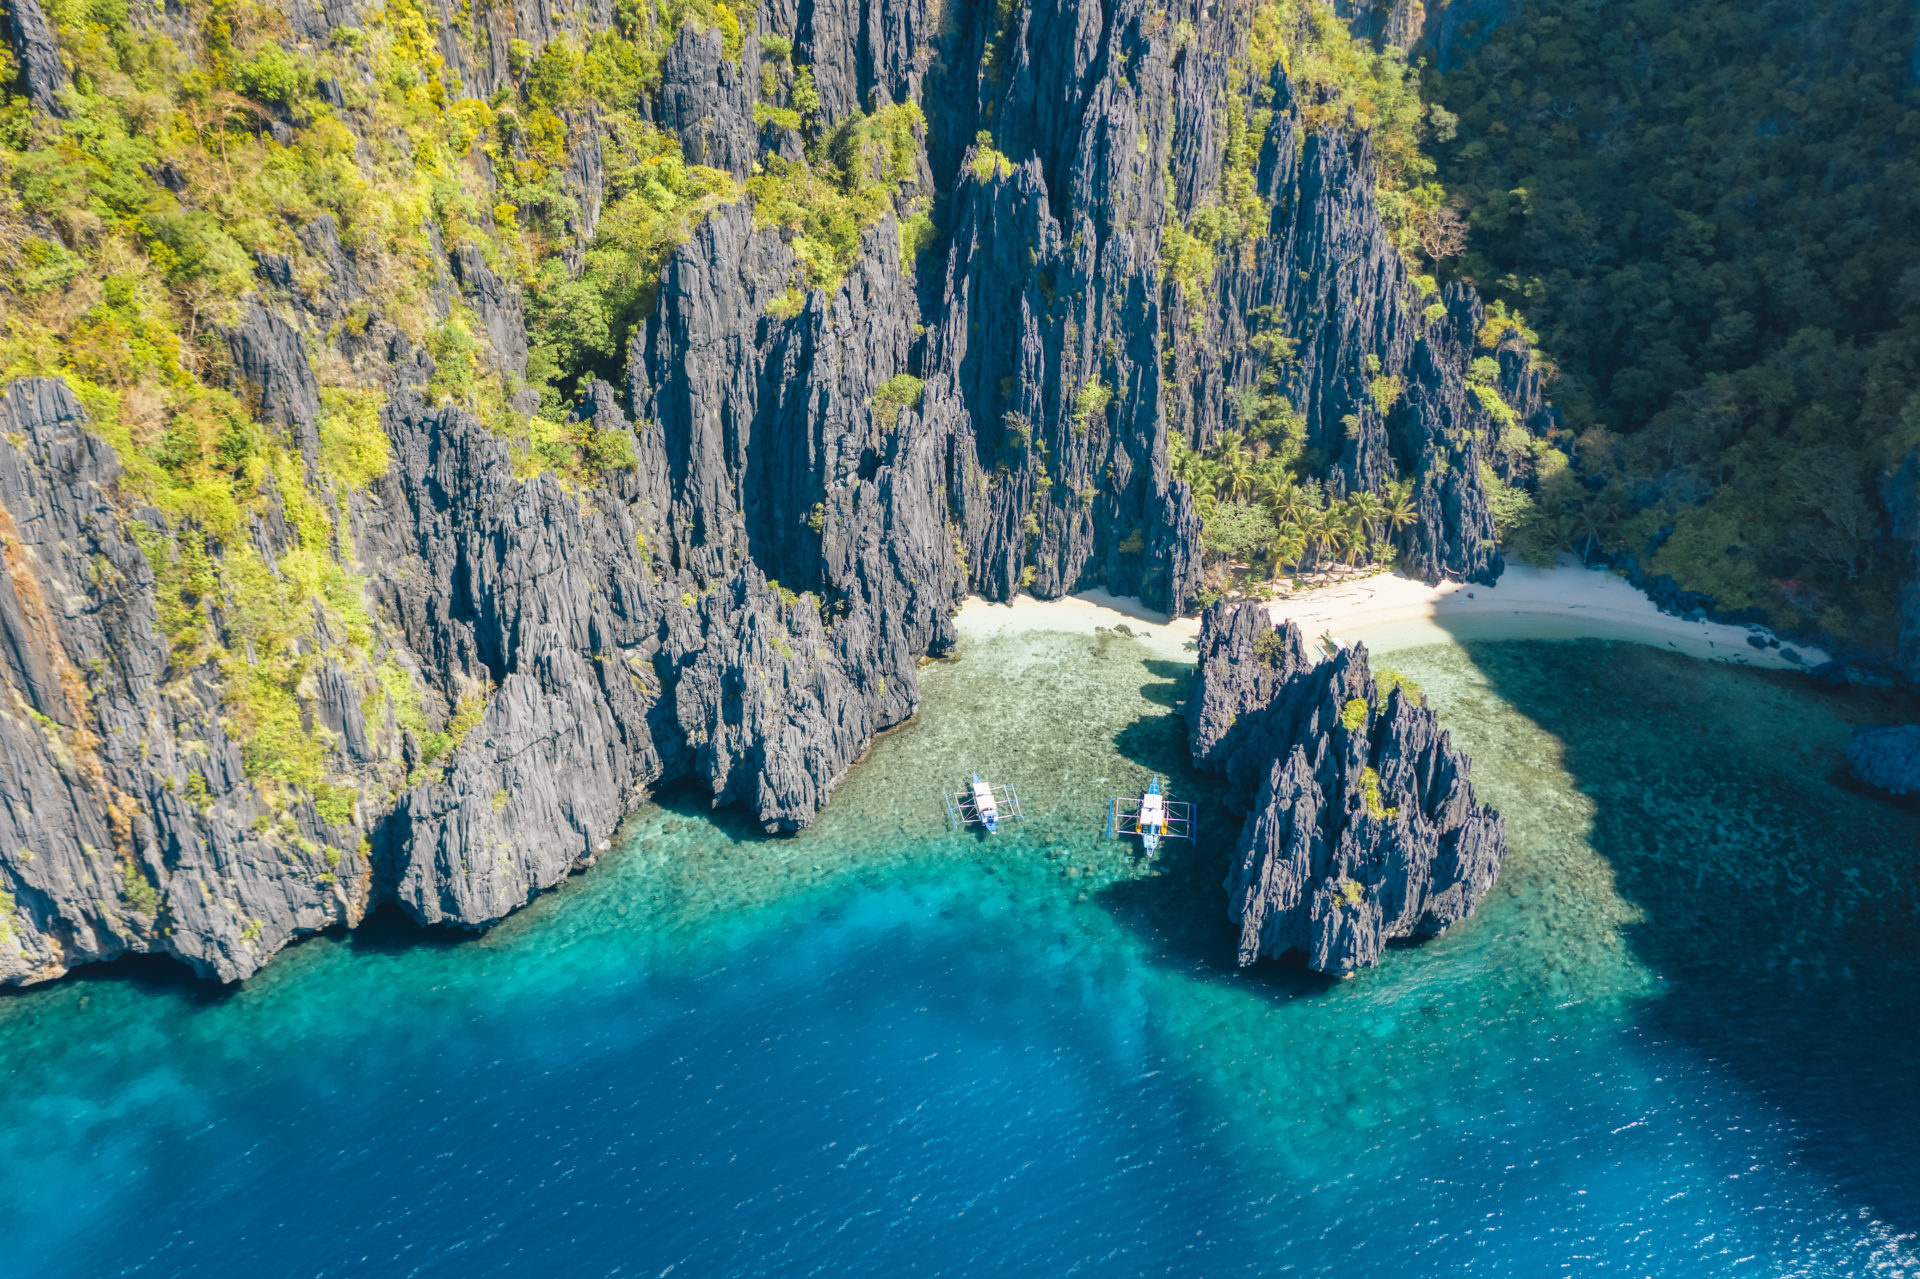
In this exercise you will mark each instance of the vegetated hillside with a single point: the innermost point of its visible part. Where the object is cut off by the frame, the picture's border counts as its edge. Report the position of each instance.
(425, 431)
(1710, 212)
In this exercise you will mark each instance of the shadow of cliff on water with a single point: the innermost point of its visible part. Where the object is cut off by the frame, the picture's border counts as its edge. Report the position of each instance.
(1779, 908)
(1168, 688)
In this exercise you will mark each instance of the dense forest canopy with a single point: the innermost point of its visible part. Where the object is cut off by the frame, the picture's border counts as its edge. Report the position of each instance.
(1707, 213)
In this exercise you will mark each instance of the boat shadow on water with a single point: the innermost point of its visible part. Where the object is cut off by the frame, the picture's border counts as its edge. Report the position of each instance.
(1779, 909)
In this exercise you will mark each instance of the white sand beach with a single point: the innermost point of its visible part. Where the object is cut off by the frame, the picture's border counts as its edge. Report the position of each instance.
(1077, 614)
(1388, 612)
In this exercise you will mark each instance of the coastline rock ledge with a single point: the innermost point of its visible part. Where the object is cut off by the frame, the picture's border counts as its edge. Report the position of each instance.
(1361, 823)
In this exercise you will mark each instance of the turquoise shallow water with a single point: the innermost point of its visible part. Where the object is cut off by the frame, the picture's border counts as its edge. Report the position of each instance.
(1676, 1040)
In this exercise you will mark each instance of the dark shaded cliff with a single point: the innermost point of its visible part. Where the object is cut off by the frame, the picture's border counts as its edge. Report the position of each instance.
(391, 594)
(1361, 824)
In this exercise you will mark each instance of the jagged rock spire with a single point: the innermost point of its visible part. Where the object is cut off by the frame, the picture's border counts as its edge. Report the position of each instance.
(1361, 824)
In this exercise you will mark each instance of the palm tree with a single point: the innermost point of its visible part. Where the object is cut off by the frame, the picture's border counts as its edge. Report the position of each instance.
(1595, 517)
(1313, 531)
(1359, 541)
(1401, 510)
(1236, 466)
(1366, 511)
(1186, 463)
(1566, 529)
(1288, 502)
(1290, 547)
(1339, 536)
(1271, 480)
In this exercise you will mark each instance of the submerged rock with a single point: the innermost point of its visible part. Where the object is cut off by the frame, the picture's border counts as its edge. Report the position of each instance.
(1887, 759)
(1361, 823)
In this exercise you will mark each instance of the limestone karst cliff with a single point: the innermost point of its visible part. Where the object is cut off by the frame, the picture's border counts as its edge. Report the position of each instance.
(1361, 827)
(330, 583)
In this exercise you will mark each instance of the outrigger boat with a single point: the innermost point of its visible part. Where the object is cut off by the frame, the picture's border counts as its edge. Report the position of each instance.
(1153, 817)
(982, 804)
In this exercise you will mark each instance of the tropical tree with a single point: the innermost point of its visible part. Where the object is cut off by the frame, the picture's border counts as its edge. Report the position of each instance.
(1271, 479)
(1366, 512)
(1309, 526)
(1338, 535)
(1596, 519)
(1237, 469)
(1359, 532)
(1290, 547)
(1201, 473)
(1401, 510)
(1290, 503)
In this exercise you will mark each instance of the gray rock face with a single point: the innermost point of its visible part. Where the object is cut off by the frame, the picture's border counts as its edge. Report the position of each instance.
(127, 822)
(1385, 24)
(316, 19)
(759, 441)
(1887, 759)
(1328, 280)
(271, 366)
(497, 304)
(38, 54)
(610, 669)
(861, 50)
(706, 99)
(745, 606)
(1361, 824)
(1055, 282)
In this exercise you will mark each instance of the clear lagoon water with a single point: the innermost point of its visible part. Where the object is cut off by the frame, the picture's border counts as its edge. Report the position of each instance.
(1678, 1039)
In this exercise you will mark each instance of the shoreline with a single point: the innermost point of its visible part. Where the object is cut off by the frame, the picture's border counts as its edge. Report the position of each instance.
(1388, 612)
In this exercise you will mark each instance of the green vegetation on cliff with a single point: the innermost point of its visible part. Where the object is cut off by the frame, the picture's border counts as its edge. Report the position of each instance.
(581, 312)
(200, 158)
(851, 177)
(1711, 214)
(129, 236)
(1254, 488)
(1337, 83)
(1345, 84)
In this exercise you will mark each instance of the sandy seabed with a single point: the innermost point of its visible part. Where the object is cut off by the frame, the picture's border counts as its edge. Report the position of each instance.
(1388, 612)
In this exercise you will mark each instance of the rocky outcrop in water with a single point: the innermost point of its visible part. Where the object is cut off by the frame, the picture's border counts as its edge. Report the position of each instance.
(1361, 824)
(744, 604)
(1887, 759)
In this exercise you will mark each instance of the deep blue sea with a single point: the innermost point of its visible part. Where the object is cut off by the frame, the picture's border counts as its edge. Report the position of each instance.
(1679, 1039)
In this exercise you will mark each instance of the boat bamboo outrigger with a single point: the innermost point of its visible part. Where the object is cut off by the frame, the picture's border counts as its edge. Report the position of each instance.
(1153, 817)
(982, 804)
